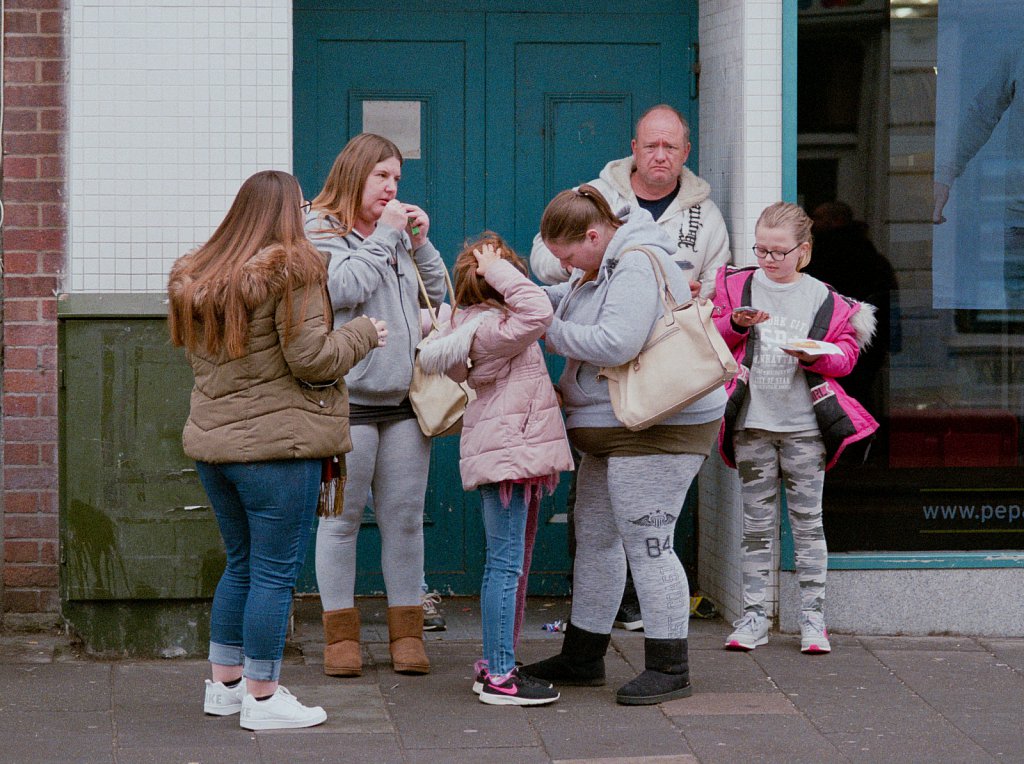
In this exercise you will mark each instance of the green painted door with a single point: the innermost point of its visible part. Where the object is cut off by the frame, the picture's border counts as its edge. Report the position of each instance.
(512, 105)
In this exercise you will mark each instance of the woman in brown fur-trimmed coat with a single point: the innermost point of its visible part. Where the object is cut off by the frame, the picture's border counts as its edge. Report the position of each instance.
(269, 404)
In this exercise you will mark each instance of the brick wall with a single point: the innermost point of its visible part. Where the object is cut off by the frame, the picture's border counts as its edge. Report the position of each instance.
(33, 259)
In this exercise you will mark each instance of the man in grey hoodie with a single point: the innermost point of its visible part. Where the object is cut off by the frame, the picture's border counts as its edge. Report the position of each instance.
(656, 179)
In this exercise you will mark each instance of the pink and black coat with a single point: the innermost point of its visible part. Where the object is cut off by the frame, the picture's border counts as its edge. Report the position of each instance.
(840, 320)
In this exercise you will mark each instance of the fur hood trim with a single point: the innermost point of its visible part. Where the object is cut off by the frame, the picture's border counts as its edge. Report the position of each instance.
(263, 276)
(438, 354)
(864, 323)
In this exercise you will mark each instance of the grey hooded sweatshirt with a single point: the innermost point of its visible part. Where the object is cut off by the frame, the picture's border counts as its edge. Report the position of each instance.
(606, 321)
(692, 221)
(374, 277)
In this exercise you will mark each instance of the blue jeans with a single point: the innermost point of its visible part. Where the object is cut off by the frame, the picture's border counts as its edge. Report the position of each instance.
(265, 511)
(505, 529)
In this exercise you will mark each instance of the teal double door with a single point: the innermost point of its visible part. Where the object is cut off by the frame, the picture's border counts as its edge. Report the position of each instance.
(498, 107)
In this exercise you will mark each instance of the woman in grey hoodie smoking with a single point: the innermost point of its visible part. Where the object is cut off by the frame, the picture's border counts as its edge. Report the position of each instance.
(375, 243)
(631, 485)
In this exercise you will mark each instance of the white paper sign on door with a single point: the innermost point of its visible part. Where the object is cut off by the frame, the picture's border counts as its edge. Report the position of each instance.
(398, 121)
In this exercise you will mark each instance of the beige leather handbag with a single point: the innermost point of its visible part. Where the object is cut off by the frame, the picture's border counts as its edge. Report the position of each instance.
(438, 401)
(684, 359)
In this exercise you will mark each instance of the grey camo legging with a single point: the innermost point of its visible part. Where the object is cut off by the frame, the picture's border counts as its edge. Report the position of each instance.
(798, 458)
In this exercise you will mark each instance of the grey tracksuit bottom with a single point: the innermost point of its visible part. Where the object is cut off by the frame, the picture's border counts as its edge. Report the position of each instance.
(393, 458)
(627, 507)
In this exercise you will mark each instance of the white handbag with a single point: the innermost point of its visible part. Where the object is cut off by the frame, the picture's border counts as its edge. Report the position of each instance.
(438, 401)
(684, 359)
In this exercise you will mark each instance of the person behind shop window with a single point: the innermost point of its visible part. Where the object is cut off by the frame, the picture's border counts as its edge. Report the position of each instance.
(513, 444)
(631, 484)
(268, 406)
(788, 419)
(376, 243)
(847, 260)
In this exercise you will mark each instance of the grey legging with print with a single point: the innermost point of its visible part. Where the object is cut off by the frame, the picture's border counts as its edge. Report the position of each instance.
(627, 507)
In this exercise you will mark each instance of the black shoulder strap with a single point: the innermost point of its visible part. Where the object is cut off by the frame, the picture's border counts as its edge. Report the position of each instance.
(823, 318)
(745, 298)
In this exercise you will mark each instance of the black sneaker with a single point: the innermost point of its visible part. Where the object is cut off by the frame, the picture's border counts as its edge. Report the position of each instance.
(629, 617)
(516, 690)
(432, 618)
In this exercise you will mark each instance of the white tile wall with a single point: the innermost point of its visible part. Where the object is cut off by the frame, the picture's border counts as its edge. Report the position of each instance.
(171, 107)
(741, 157)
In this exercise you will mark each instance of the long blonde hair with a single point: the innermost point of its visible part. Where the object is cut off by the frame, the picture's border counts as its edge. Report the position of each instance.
(266, 212)
(792, 218)
(342, 193)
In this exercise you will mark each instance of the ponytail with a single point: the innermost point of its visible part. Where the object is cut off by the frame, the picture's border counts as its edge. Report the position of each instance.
(572, 212)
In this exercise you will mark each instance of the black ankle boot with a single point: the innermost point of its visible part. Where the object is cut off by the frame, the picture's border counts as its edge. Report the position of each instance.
(629, 617)
(667, 675)
(580, 664)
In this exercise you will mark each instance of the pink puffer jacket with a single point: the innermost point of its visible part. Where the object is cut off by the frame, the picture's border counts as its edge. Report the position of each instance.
(513, 429)
(841, 321)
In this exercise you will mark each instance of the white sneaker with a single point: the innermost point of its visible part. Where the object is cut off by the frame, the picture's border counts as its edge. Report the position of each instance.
(279, 712)
(222, 700)
(750, 631)
(813, 634)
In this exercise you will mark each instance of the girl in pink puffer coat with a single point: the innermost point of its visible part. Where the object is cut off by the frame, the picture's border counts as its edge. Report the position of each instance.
(513, 443)
(788, 419)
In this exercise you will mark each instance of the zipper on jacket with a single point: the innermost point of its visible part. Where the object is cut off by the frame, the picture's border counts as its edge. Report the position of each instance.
(400, 277)
(529, 413)
(564, 306)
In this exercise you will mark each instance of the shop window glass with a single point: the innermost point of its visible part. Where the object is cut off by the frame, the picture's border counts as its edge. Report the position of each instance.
(946, 470)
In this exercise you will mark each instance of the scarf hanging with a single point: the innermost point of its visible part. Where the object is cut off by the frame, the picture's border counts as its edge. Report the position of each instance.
(534, 488)
(332, 486)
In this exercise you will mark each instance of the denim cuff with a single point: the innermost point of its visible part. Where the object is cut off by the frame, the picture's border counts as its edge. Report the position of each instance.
(225, 655)
(262, 670)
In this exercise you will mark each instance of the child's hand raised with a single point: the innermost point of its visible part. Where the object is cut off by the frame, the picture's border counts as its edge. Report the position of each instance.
(486, 256)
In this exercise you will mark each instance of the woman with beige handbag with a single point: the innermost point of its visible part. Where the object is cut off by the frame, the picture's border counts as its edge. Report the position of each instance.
(376, 245)
(630, 484)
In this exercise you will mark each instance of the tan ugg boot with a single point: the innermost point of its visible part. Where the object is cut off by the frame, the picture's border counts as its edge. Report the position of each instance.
(405, 627)
(341, 643)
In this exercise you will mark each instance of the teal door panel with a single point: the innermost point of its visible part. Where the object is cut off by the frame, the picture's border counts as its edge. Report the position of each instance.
(135, 522)
(514, 106)
(427, 59)
(578, 83)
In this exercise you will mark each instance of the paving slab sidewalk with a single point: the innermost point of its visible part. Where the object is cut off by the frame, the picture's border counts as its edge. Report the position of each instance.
(874, 699)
